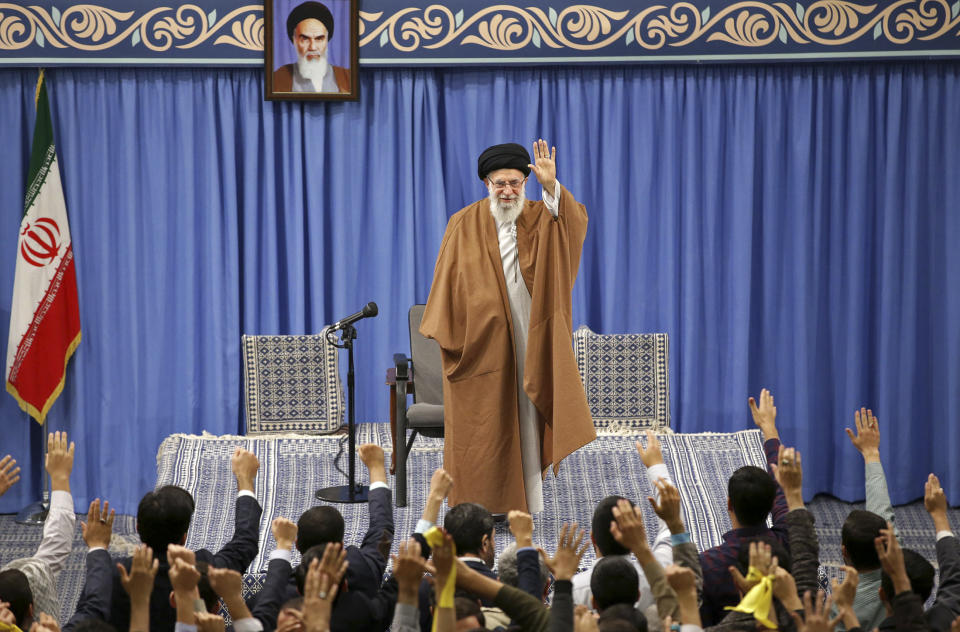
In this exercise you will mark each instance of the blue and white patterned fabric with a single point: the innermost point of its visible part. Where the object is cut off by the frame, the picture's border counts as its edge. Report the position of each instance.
(626, 379)
(292, 468)
(291, 384)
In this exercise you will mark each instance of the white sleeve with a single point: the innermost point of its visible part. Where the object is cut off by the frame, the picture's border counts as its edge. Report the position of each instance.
(58, 530)
(552, 200)
(662, 548)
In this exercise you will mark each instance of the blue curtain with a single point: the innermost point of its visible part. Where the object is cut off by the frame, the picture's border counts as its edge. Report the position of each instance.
(790, 227)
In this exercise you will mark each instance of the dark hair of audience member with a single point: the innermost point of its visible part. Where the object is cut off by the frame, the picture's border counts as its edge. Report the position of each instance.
(920, 572)
(752, 492)
(859, 531)
(319, 525)
(467, 523)
(15, 590)
(600, 527)
(163, 517)
(622, 617)
(93, 624)
(614, 580)
(467, 607)
(210, 597)
(777, 550)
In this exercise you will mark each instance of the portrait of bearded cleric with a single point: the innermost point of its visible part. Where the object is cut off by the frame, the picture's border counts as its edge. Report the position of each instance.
(312, 52)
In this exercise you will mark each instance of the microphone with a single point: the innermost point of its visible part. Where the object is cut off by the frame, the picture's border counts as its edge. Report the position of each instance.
(370, 309)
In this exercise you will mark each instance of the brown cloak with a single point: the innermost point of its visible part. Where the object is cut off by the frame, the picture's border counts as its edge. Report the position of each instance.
(468, 314)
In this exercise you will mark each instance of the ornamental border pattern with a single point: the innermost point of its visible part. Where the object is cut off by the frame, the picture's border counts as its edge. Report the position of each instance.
(750, 28)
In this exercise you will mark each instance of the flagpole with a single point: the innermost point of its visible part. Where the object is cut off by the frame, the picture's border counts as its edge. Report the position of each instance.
(36, 512)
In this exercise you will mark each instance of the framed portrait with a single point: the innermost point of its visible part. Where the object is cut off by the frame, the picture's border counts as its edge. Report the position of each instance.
(310, 51)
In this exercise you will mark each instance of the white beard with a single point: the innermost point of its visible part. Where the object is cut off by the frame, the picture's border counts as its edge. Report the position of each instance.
(506, 210)
(314, 70)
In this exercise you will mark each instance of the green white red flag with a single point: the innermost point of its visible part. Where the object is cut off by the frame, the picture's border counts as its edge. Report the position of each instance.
(44, 314)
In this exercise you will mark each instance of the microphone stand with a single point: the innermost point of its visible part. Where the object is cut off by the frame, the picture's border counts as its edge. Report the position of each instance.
(351, 492)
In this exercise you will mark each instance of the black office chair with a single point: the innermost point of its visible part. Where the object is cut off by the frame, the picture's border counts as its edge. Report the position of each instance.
(425, 415)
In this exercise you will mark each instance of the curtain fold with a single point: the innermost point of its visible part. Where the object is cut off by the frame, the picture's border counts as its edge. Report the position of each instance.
(790, 227)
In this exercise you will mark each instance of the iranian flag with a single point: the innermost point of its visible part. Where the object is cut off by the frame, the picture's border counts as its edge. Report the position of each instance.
(44, 314)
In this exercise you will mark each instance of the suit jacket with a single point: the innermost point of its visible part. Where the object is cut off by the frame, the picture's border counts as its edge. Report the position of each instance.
(235, 554)
(283, 78)
(94, 601)
(367, 562)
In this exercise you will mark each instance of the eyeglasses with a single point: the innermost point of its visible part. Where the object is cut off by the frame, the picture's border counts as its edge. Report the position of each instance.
(503, 184)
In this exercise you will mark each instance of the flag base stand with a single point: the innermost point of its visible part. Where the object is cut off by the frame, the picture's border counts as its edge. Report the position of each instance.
(33, 514)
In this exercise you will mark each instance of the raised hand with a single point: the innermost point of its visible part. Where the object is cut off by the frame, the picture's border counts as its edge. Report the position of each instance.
(650, 455)
(175, 551)
(760, 559)
(545, 165)
(521, 526)
(843, 593)
(97, 529)
(284, 532)
(59, 461)
(668, 506)
(45, 623)
(184, 577)
(408, 569)
(245, 465)
(566, 561)
(765, 415)
(319, 591)
(891, 559)
(9, 473)
(208, 622)
(867, 438)
(628, 528)
(139, 581)
(681, 579)
(816, 614)
(440, 483)
(372, 456)
(334, 562)
(226, 582)
(934, 500)
(789, 474)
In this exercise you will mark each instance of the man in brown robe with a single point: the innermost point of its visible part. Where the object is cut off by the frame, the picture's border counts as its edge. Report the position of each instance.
(500, 310)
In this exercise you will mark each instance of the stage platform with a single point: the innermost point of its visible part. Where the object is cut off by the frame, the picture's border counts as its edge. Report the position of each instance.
(294, 466)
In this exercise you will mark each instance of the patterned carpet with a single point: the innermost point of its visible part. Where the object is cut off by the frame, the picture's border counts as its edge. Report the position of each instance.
(292, 467)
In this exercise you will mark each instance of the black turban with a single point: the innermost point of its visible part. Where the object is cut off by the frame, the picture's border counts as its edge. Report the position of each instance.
(505, 156)
(307, 10)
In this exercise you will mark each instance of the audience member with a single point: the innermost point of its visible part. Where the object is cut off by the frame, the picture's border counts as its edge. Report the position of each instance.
(163, 518)
(862, 527)
(752, 495)
(908, 577)
(324, 524)
(605, 545)
(42, 569)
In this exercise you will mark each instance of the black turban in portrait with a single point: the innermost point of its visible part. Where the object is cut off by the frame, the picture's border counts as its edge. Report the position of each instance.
(307, 10)
(505, 156)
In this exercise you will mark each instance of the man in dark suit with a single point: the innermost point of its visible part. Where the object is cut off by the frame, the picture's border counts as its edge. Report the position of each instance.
(163, 518)
(324, 525)
(471, 527)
